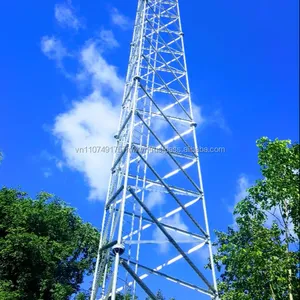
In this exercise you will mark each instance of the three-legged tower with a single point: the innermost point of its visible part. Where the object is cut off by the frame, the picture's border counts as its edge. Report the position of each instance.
(155, 224)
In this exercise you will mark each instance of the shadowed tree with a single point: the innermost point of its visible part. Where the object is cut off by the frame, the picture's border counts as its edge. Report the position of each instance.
(45, 248)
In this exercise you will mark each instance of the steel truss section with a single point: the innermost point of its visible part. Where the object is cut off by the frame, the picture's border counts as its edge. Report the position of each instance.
(155, 201)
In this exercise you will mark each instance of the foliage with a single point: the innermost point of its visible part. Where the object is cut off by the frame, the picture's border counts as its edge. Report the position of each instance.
(128, 296)
(258, 259)
(45, 248)
(160, 296)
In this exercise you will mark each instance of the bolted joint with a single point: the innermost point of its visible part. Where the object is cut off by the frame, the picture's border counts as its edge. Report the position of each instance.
(132, 44)
(116, 136)
(181, 33)
(193, 124)
(118, 249)
(137, 77)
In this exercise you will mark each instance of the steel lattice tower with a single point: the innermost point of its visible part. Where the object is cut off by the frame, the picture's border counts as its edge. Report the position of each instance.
(155, 222)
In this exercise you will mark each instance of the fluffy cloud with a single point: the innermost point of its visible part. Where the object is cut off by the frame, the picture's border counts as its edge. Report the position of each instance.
(47, 173)
(242, 185)
(65, 16)
(108, 39)
(92, 121)
(120, 20)
(53, 49)
(99, 73)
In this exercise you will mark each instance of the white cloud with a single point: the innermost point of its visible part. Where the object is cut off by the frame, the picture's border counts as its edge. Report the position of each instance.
(219, 119)
(242, 185)
(53, 49)
(92, 122)
(120, 20)
(198, 116)
(99, 73)
(45, 155)
(65, 16)
(47, 173)
(60, 165)
(154, 199)
(108, 39)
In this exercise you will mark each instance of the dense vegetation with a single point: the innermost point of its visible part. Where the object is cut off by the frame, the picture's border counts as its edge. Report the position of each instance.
(259, 256)
(45, 248)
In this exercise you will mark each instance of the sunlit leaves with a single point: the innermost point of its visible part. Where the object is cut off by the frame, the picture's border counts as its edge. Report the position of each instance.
(258, 259)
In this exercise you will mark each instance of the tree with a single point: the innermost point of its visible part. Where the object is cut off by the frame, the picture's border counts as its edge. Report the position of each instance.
(258, 259)
(45, 248)
(159, 296)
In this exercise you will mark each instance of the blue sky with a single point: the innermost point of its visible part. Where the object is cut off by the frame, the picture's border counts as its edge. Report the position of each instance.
(243, 69)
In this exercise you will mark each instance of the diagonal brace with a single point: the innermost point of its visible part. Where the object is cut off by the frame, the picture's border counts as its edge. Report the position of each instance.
(171, 192)
(171, 278)
(169, 153)
(138, 280)
(171, 240)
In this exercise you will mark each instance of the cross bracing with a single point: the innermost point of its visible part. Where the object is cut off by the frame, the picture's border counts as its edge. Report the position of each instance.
(155, 222)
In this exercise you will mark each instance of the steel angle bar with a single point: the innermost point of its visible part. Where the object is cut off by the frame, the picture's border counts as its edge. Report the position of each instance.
(169, 153)
(171, 278)
(184, 232)
(161, 150)
(172, 126)
(172, 241)
(167, 87)
(168, 175)
(174, 188)
(119, 158)
(138, 280)
(173, 195)
(168, 263)
(125, 123)
(110, 201)
(179, 46)
(166, 64)
(167, 215)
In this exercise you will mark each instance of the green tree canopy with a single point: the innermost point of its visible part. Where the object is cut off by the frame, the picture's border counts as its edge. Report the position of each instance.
(259, 258)
(45, 248)
(159, 296)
